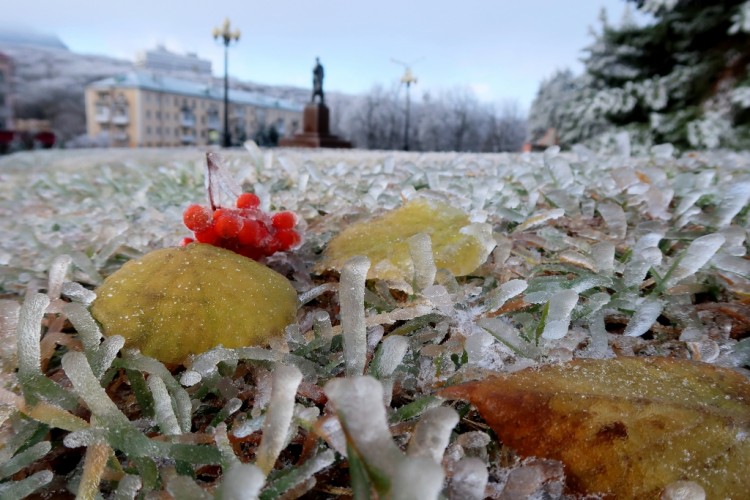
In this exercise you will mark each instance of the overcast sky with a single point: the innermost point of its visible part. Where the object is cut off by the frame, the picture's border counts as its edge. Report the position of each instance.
(501, 49)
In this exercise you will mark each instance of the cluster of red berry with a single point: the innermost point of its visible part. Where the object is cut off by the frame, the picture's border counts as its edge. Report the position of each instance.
(246, 229)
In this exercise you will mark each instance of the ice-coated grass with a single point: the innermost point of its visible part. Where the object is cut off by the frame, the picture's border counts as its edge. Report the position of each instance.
(352, 299)
(279, 415)
(432, 434)
(593, 257)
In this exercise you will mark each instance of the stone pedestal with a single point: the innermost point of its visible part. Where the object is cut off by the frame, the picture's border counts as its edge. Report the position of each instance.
(315, 131)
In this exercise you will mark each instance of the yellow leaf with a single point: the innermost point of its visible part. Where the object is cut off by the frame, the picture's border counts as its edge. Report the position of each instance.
(625, 427)
(180, 301)
(457, 245)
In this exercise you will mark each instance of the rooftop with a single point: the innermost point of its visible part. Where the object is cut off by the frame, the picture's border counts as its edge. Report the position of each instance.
(161, 83)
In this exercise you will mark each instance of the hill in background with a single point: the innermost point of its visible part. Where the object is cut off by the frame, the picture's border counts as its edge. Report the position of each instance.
(49, 80)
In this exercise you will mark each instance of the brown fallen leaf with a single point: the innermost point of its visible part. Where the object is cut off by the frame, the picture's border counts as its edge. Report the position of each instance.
(625, 427)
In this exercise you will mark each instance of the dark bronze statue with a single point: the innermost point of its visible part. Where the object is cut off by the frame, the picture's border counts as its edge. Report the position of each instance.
(318, 81)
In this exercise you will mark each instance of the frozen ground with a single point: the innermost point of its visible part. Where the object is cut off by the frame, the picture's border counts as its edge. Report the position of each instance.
(595, 257)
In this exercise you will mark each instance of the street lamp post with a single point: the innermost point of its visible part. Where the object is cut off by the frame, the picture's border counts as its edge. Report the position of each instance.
(407, 79)
(226, 36)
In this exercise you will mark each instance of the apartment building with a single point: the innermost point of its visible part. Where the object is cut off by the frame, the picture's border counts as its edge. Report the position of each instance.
(6, 104)
(143, 109)
(161, 59)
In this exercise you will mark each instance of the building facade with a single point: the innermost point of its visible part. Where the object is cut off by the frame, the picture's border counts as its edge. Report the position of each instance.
(142, 109)
(161, 59)
(6, 101)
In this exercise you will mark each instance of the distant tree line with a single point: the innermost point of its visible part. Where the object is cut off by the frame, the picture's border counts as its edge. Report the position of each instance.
(454, 120)
(682, 78)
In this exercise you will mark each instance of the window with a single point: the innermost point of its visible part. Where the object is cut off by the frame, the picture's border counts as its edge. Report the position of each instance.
(148, 113)
(158, 115)
(148, 130)
(158, 130)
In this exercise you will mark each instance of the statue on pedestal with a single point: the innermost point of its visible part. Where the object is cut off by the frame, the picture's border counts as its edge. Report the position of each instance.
(318, 74)
(315, 121)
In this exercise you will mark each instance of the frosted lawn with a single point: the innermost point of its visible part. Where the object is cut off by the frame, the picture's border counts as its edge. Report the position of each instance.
(594, 257)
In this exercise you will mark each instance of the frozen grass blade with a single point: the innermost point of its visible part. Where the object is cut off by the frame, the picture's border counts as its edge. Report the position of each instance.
(352, 299)
(639, 265)
(698, 253)
(603, 254)
(106, 354)
(286, 379)
(228, 458)
(77, 293)
(316, 292)
(165, 416)
(643, 318)
(389, 355)
(25, 487)
(614, 218)
(34, 384)
(25, 458)
(242, 482)
(121, 433)
(418, 478)
(298, 475)
(322, 325)
(54, 416)
(734, 200)
(558, 316)
(231, 407)
(505, 292)
(58, 271)
(184, 487)
(469, 479)
(359, 405)
(539, 219)
(29, 336)
(127, 488)
(94, 464)
(183, 407)
(88, 330)
(420, 248)
(432, 433)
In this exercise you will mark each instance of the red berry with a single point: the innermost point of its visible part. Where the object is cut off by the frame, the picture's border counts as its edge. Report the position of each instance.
(197, 217)
(186, 241)
(287, 238)
(248, 200)
(284, 220)
(227, 224)
(253, 233)
(207, 236)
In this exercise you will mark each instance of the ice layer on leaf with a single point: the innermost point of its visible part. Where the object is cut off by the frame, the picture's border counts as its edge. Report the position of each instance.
(385, 241)
(180, 301)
